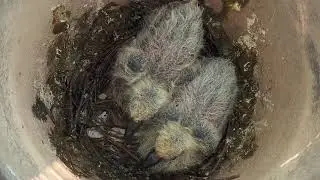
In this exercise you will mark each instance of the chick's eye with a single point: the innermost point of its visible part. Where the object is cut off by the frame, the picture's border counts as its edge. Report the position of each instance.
(136, 63)
(199, 134)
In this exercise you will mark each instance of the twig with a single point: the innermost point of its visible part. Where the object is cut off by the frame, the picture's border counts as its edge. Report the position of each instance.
(228, 178)
(124, 149)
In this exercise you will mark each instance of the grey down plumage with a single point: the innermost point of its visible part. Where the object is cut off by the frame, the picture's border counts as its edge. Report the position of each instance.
(155, 61)
(183, 100)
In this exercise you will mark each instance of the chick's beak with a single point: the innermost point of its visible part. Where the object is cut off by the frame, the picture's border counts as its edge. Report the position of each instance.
(152, 159)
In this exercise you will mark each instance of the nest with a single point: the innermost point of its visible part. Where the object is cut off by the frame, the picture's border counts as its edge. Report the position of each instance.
(90, 129)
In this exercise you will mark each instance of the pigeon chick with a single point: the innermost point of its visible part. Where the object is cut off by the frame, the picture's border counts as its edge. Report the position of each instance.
(154, 62)
(185, 132)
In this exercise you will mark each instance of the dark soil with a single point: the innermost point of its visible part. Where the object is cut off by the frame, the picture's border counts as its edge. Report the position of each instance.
(80, 60)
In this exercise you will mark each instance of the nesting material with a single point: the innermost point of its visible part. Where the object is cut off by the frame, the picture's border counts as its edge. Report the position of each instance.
(95, 133)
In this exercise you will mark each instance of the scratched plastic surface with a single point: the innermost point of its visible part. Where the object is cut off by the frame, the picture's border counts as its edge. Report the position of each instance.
(286, 114)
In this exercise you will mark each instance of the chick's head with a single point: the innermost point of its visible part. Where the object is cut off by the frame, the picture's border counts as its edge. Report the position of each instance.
(131, 65)
(174, 140)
